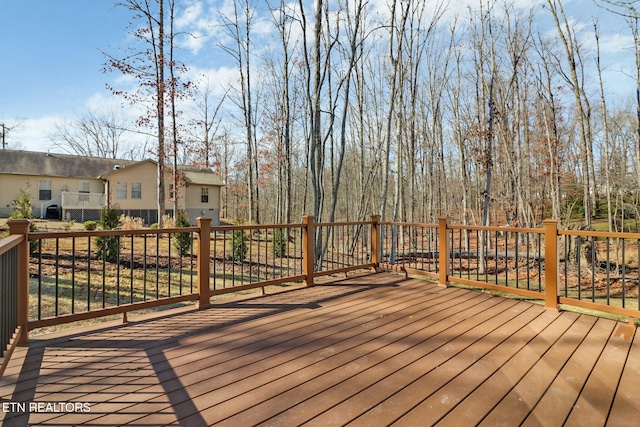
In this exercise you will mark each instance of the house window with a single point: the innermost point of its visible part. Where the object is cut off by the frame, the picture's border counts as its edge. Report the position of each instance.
(84, 187)
(44, 188)
(121, 190)
(136, 190)
(171, 194)
(204, 195)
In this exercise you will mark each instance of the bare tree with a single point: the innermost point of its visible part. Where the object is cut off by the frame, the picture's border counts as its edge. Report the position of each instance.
(629, 11)
(147, 64)
(605, 123)
(206, 120)
(572, 51)
(93, 134)
(283, 118)
(238, 27)
(396, 39)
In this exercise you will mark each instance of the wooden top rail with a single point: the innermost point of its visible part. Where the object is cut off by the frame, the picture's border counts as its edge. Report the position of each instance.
(496, 228)
(409, 224)
(466, 227)
(90, 233)
(333, 224)
(588, 233)
(146, 231)
(254, 227)
(10, 242)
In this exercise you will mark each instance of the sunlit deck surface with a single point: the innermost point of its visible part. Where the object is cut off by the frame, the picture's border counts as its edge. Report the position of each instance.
(370, 350)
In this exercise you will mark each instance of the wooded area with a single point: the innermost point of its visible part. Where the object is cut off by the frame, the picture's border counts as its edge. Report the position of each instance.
(494, 114)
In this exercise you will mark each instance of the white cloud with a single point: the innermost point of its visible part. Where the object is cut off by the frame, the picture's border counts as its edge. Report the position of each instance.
(99, 102)
(219, 79)
(194, 41)
(33, 134)
(191, 15)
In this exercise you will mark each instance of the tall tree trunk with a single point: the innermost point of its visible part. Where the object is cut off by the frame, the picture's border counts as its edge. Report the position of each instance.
(605, 123)
(174, 113)
(160, 109)
(353, 45)
(395, 56)
(555, 6)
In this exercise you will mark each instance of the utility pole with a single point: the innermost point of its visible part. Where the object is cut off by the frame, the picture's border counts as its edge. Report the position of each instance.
(4, 131)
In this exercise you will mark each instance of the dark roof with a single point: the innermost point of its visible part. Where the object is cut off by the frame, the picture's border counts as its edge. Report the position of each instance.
(198, 175)
(17, 162)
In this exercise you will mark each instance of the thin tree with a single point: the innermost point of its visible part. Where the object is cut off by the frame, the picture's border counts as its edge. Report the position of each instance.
(567, 37)
(238, 28)
(146, 63)
(628, 10)
(605, 123)
(283, 20)
(205, 124)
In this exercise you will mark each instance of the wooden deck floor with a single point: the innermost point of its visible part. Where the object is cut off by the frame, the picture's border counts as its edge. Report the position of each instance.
(372, 350)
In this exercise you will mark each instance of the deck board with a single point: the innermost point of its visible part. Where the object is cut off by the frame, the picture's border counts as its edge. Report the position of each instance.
(555, 405)
(455, 391)
(370, 350)
(522, 395)
(593, 404)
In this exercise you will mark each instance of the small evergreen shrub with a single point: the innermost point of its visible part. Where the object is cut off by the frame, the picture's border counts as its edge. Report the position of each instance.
(280, 242)
(183, 241)
(90, 225)
(108, 247)
(24, 210)
(239, 245)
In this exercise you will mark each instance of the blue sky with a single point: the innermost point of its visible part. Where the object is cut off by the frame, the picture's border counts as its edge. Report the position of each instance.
(51, 57)
(51, 60)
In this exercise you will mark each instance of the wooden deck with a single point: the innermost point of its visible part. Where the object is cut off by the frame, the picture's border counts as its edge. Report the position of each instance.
(372, 350)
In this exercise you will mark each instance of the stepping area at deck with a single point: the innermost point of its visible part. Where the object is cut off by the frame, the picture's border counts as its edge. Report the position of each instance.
(370, 350)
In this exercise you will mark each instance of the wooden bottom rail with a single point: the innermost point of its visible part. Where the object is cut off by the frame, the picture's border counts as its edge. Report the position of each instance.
(517, 291)
(343, 270)
(629, 312)
(256, 285)
(67, 318)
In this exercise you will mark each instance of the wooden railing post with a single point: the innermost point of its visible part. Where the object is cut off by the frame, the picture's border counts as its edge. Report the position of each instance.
(204, 261)
(376, 246)
(21, 226)
(551, 262)
(308, 256)
(443, 251)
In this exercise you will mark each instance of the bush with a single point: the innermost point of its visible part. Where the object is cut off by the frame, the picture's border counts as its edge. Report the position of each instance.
(183, 241)
(68, 225)
(154, 226)
(168, 221)
(90, 225)
(131, 223)
(239, 246)
(108, 247)
(280, 242)
(24, 210)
